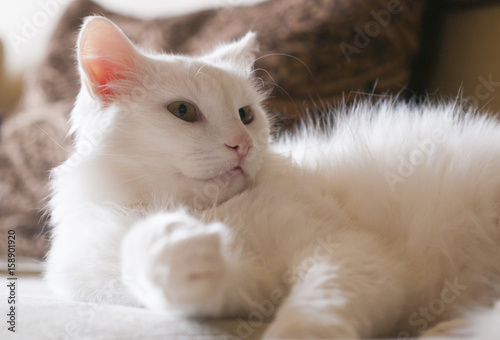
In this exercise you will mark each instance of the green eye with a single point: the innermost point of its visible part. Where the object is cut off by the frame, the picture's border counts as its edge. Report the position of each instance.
(246, 114)
(184, 110)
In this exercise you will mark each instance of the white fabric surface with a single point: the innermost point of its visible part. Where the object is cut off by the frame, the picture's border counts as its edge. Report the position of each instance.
(40, 316)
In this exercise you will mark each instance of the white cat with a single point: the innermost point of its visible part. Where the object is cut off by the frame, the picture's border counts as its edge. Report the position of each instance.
(382, 226)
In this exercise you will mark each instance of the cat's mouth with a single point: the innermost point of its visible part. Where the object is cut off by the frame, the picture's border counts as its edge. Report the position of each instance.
(229, 174)
(221, 177)
(237, 170)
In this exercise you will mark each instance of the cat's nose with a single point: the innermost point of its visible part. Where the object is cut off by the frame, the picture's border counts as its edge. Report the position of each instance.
(240, 144)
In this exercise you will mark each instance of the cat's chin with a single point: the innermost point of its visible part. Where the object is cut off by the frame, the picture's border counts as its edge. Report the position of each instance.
(207, 191)
(229, 183)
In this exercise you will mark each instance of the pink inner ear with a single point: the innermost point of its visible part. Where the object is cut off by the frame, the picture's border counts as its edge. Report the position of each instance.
(100, 73)
(105, 55)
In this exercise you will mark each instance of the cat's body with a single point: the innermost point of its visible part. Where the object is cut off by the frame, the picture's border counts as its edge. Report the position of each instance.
(384, 225)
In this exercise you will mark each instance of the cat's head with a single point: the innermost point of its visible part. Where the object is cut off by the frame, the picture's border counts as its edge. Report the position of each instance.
(192, 127)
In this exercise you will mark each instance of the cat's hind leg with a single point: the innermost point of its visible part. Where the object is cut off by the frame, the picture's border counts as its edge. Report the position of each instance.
(173, 260)
(354, 293)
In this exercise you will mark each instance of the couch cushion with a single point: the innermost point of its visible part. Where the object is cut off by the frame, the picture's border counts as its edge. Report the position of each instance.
(313, 50)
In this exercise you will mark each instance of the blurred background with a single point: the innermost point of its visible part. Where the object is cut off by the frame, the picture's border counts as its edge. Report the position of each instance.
(462, 42)
(17, 55)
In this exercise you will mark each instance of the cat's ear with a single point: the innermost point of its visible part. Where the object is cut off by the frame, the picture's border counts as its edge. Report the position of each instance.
(105, 55)
(238, 55)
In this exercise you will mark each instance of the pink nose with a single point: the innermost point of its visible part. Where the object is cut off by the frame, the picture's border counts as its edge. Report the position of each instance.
(241, 144)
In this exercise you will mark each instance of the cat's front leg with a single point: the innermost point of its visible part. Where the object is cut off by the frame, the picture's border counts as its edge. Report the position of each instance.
(173, 260)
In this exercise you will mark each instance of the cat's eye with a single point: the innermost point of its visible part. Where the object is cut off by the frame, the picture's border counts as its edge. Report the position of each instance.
(246, 114)
(184, 110)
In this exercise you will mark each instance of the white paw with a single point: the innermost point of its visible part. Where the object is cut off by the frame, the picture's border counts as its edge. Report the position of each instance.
(183, 264)
(189, 267)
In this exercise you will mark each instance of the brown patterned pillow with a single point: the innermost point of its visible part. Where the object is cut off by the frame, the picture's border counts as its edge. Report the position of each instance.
(313, 52)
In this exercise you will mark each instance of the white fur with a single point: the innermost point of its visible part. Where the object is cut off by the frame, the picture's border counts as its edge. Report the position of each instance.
(384, 224)
(484, 325)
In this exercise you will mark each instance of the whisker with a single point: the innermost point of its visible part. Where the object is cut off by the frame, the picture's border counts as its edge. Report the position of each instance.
(52, 139)
(263, 70)
(273, 83)
(281, 89)
(285, 55)
(199, 71)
